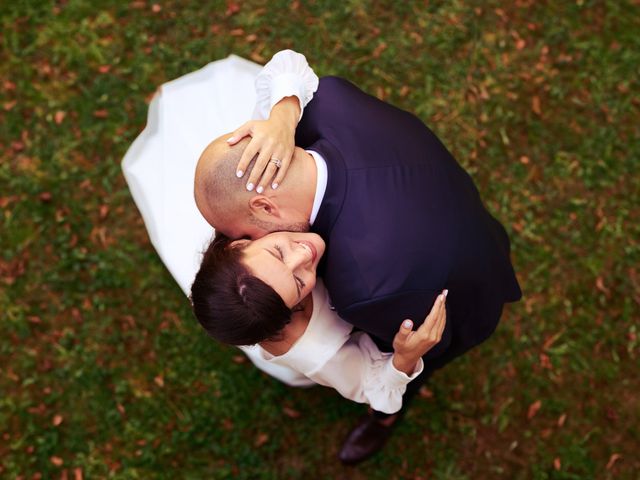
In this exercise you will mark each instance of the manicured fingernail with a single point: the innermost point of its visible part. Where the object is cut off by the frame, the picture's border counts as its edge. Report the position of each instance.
(259, 189)
(250, 186)
(239, 173)
(407, 324)
(274, 185)
(231, 139)
(445, 292)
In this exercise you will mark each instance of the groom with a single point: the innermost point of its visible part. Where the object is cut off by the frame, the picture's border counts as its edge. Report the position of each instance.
(401, 219)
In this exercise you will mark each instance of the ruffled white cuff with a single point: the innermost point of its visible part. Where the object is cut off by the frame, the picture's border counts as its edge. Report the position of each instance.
(287, 74)
(384, 385)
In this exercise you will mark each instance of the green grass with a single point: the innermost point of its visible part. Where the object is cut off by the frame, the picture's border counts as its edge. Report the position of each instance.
(103, 370)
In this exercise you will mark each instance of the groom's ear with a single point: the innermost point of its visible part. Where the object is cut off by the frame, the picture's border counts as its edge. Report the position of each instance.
(262, 206)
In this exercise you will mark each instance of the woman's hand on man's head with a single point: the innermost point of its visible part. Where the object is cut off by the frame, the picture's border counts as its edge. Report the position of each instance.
(272, 141)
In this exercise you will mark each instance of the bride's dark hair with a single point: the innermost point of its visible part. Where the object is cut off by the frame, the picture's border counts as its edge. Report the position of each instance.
(231, 304)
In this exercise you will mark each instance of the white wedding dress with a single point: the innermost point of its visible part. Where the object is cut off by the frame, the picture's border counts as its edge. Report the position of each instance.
(185, 115)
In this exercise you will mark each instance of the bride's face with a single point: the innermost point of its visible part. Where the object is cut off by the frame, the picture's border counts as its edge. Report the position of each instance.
(286, 261)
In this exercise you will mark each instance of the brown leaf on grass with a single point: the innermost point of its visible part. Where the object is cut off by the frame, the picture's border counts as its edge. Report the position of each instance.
(17, 146)
(424, 392)
(104, 211)
(535, 105)
(120, 408)
(261, 439)
(520, 44)
(239, 359)
(77, 474)
(561, 419)
(601, 286)
(45, 197)
(57, 461)
(57, 420)
(612, 460)
(232, 9)
(533, 409)
(102, 113)
(557, 464)
(104, 68)
(156, 8)
(58, 117)
(379, 49)
(524, 160)
(9, 105)
(8, 85)
(290, 412)
(159, 381)
(237, 32)
(227, 424)
(545, 362)
(257, 57)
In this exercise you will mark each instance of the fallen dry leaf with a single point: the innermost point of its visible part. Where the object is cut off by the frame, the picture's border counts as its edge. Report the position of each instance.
(556, 463)
(535, 105)
(290, 412)
(261, 439)
(612, 460)
(58, 117)
(533, 409)
(424, 392)
(57, 420)
(561, 419)
(57, 461)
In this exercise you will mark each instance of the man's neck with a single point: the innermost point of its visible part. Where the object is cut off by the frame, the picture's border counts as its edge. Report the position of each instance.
(302, 180)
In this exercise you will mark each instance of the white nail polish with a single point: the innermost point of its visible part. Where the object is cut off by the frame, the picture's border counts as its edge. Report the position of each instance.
(250, 186)
(274, 185)
(407, 324)
(259, 189)
(239, 173)
(231, 139)
(445, 292)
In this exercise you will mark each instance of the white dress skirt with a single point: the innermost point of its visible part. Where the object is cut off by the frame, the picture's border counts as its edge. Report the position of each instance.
(184, 116)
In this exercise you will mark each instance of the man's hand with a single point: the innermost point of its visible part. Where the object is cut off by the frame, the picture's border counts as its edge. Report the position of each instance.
(409, 345)
(273, 141)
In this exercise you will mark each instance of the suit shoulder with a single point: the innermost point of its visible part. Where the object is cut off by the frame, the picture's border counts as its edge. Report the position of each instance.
(334, 83)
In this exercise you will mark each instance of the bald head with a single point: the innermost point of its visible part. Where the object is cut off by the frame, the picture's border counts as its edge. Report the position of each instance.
(220, 195)
(225, 203)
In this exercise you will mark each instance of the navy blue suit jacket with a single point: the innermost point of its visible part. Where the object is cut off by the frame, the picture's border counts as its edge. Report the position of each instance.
(402, 221)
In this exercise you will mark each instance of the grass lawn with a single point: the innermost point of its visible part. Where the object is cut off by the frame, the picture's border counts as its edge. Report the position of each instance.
(105, 374)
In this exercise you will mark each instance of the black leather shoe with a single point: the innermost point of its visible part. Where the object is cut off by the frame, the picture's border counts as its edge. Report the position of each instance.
(367, 438)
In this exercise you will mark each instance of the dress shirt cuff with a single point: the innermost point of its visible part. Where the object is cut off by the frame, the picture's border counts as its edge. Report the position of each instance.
(397, 379)
(287, 74)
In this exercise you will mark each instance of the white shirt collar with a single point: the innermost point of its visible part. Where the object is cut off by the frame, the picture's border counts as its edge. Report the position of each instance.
(321, 185)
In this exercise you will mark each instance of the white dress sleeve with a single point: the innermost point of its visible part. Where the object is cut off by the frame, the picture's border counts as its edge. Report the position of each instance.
(329, 354)
(360, 372)
(287, 74)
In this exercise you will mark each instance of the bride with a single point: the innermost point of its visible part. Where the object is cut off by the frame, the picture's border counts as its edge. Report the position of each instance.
(266, 292)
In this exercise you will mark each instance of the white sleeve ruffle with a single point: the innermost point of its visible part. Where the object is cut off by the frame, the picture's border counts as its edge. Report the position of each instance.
(287, 74)
(384, 385)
